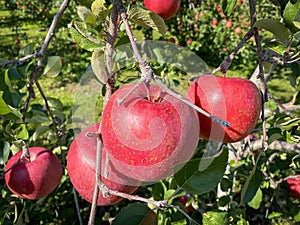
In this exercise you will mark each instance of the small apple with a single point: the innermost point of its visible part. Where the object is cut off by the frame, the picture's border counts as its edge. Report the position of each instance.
(17, 41)
(237, 30)
(150, 133)
(34, 178)
(235, 100)
(172, 40)
(189, 41)
(184, 200)
(215, 23)
(81, 166)
(228, 24)
(294, 186)
(165, 9)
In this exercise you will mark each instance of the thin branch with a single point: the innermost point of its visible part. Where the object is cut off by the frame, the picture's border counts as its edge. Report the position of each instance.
(41, 53)
(21, 60)
(277, 145)
(148, 74)
(112, 35)
(227, 62)
(261, 73)
(77, 206)
(97, 180)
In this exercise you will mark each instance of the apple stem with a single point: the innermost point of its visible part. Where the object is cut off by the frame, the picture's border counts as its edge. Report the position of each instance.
(148, 74)
(25, 152)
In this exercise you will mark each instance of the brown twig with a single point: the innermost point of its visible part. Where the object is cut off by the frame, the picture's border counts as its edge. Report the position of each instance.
(42, 52)
(111, 37)
(227, 62)
(21, 60)
(148, 74)
(261, 73)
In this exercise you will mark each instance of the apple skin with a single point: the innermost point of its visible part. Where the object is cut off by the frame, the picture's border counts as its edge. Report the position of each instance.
(235, 100)
(166, 9)
(81, 166)
(36, 178)
(145, 138)
(294, 186)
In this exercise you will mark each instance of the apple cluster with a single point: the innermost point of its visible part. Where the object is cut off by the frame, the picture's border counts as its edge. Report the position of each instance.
(151, 134)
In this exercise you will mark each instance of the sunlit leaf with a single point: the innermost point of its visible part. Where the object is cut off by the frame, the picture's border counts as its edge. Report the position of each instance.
(21, 132)
(27, 50)
(277, 47)
(202, 175)
(86, 15)
(251, 186)
(4, 108)
(136, 214)
(4, 152)
(215, 218)
(99, 9)
(98, 65)
(228, 6)
(53, 66)
(290, 14)
(55, 103)
(256, 201)
(147, 19)
(38, 132)
(275, 27)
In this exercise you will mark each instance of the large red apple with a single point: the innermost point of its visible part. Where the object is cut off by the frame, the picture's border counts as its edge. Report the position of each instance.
(81, 165)
(235, 100)
(149, 133)
(166, 8)
(294, 186)
(36, 178)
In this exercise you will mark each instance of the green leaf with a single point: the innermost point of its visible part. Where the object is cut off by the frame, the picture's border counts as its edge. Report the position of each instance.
(215, 218)
(147, 19)
(55, 103)
(38, 132)
(98, 65)
(99, 9)
(4, 152)
(53, 66)
(275, 27)
(251, 186)
(228, 6)
(277, 47)
(38, 119)
(21, 132)
(202, 175)
(290, 14)
(136, 214)
(82, 40)
(86, 15)
(256, 201)
(4, 108)
(27, 50)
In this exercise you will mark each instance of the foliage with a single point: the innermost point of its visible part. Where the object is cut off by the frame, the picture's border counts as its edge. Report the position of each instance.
(253, 187)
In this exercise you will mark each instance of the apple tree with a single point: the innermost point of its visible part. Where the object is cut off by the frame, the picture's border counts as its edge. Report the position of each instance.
(177, 118)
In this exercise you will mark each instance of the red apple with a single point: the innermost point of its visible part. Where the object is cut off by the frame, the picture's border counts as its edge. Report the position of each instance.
(294, 186)
(189, 41)
(166, 9)
(229, 24)
(17, 41)
(146, 138)
(81, 166)
(184, 201)
(235, 100)
(36, 178)
(237, 30)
